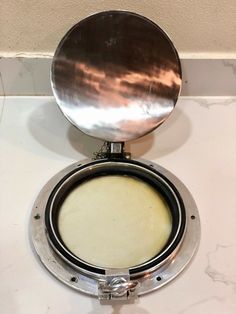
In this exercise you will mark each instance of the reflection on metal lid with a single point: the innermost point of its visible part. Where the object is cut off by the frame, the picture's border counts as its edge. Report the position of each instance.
(116, 76)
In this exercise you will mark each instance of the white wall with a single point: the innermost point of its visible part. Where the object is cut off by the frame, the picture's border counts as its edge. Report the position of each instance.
(199, 28)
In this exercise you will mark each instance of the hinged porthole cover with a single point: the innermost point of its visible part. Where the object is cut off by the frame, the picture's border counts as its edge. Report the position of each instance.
(116, 76)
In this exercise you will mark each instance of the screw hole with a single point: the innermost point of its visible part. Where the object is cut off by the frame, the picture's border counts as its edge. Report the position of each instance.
(158, 278)
(37, 216)
(151, 165)
(74, 279)
(193, 217)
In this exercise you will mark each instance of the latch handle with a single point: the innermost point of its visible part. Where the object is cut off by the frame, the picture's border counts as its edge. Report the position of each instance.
(118, 288)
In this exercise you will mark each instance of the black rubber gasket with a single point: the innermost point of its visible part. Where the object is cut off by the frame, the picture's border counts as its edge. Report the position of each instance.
(162, 188)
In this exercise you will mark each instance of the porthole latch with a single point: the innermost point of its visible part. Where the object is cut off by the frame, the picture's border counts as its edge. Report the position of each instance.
(118, 286)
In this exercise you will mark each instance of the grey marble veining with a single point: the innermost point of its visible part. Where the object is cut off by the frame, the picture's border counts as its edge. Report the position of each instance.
(189, 309)
(201, 77)
(25, 76)
(205, 77)
(222, 272)
(208, 103)
(230, 64)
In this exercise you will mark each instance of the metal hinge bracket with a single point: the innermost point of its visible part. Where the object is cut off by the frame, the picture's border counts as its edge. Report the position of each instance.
(112, 150)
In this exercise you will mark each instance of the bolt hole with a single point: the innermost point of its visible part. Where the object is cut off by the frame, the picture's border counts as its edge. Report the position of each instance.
(37, 216)
(158, 278)
(74, 279)
(193, 217)
(151, 165)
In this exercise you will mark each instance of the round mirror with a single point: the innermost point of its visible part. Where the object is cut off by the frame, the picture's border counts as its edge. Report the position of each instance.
(116, 76)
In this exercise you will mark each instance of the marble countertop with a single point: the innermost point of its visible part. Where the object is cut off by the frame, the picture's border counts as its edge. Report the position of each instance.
(197, 143)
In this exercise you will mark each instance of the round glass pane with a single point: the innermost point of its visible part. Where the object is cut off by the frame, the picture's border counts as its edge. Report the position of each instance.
(114, 221)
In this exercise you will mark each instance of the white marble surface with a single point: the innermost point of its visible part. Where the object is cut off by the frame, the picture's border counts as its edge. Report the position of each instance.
(197, 143)
(25, 76)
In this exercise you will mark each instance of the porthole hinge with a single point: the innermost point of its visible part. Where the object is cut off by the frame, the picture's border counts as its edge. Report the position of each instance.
(112, 150)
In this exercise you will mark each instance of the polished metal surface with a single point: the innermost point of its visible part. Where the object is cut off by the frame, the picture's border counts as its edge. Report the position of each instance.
(118, 288)
(151, 280)
(116, 76)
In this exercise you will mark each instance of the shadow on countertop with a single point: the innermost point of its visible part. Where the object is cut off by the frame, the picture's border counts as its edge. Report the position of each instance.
(51, 130)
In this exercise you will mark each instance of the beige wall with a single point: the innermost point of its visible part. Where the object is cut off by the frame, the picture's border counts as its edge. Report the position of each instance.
(199, 28)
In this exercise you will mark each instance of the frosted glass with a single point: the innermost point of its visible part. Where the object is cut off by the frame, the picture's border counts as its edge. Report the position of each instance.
(114, 221)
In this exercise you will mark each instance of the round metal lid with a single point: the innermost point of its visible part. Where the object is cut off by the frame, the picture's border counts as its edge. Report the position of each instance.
(116, 76)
